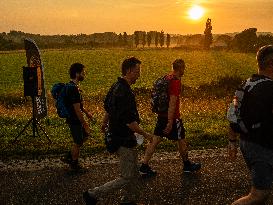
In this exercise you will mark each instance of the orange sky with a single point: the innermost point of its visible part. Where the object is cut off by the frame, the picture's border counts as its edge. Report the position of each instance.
(90, 16)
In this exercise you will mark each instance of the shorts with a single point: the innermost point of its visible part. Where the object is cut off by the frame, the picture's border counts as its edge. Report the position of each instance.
(177, 132)
(259, 161)
(78, 133)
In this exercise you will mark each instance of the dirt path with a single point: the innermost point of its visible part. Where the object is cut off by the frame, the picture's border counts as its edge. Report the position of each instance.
(49, 181)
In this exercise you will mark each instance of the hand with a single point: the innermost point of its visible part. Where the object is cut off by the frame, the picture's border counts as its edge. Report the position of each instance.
(168, 128)
(87, 129)
(89, 115)
(148, 136)
(232, 151)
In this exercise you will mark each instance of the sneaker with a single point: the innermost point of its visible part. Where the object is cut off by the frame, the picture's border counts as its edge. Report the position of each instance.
(126, 201)
(75, 165)
(89, 198)
(146, 170)
(191, 167)
(67, 159)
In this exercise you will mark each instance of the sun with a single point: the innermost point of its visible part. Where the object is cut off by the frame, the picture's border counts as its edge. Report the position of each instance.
(196, 12)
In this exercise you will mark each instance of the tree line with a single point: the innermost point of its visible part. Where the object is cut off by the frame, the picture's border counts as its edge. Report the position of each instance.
(14, 40)
(245, 41)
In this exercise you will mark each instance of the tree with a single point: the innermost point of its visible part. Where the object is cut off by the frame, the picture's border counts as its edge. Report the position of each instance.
(125, 39)
(208, 35)
(265, 40)
(7, 44)
(226, 39)
(156, 39)
(136, 37)
(143, 39)
(161, 38)
(149, 38)
(246, 41)
(120, 40)
(168, 40)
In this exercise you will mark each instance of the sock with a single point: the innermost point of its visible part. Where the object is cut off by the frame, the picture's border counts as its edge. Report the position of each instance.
(74, 162)
(187, 163)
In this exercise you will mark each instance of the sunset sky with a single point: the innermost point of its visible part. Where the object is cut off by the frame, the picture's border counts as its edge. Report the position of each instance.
(90, 16)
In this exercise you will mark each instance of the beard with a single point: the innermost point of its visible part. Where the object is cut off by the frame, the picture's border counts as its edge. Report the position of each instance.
(81, 78)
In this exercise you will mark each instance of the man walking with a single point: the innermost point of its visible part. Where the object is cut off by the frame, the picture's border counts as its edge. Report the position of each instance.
(256, 137)
(122, 120)
(169, 124)
(78, 126)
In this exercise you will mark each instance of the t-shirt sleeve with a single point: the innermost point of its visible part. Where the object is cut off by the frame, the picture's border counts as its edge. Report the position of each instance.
(74, 95)
(175, 87)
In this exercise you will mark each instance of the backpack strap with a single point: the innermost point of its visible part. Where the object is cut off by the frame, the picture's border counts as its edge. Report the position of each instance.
(109, 101)
(251, 84)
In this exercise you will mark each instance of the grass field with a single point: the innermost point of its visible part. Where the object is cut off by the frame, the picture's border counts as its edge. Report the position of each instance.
(209, 81)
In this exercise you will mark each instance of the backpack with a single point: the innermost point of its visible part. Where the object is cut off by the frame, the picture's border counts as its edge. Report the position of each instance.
(234, 112)
(160, 95)
(59, 93)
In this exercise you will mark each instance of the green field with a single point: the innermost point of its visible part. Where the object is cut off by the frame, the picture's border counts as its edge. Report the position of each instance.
(209, 81)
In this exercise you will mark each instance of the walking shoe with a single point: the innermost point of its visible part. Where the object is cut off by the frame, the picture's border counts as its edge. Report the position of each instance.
(67, 159)
(89, 198)
(145, 169)
(191, 167)
(75, 165)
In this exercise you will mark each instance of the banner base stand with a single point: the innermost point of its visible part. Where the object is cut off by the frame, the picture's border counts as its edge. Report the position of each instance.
(35, 124)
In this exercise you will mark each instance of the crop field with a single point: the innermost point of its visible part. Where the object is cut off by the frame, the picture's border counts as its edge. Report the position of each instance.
(208, 85)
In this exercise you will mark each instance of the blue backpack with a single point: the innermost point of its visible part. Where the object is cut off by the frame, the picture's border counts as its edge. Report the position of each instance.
(59, 93)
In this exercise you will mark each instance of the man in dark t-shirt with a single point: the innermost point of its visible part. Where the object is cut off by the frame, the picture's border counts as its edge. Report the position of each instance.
(78, 126)
(122, 120)
(257, 143)
(170, 124)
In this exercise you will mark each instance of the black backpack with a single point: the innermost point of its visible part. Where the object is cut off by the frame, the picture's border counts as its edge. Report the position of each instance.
(236, 113)
(160, 96)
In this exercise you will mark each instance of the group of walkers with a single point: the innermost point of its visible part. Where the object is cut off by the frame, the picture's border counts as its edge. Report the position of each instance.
(121, 122)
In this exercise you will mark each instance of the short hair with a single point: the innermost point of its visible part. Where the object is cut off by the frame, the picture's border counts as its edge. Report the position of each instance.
(264, 56)
(178, 64)
(75, 68)
(128, 64)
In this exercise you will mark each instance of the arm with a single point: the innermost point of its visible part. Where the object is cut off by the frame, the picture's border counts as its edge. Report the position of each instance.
(171, 111)
(128, 114)
(79, 114)
(134, 126)
(232, 146)
(88, 114)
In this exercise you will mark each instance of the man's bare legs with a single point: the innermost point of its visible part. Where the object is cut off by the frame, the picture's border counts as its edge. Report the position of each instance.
(151, 149)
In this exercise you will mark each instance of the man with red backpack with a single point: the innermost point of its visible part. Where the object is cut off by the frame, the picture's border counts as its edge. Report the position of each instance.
(169, 123)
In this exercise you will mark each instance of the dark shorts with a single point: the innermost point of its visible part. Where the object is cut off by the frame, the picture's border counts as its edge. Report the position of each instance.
(78, 133)
(259, 161)
(177, 132)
